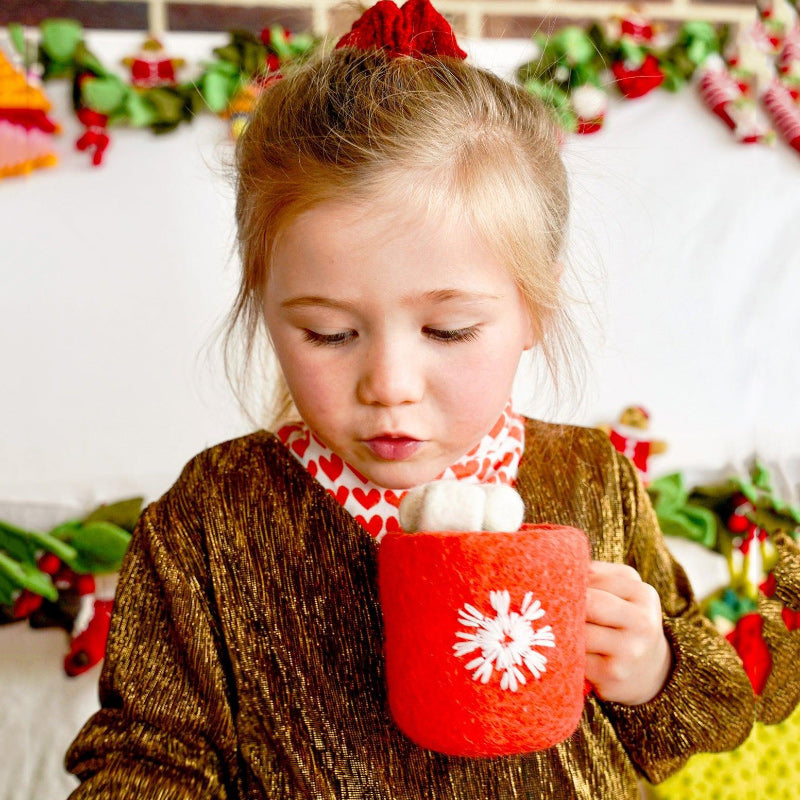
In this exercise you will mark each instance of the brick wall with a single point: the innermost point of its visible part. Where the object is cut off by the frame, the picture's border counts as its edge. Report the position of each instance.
(474, 18)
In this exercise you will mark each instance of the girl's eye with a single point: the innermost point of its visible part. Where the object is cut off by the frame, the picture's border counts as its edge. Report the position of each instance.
(328, 339)
(457, 335)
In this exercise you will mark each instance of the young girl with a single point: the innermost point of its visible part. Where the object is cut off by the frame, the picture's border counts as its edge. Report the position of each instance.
(401, 216)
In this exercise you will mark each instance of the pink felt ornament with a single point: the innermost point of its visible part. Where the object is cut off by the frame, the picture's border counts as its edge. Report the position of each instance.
(727, 99)
(784, 111)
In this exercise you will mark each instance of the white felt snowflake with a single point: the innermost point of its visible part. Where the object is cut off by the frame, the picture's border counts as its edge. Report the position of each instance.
(506, 642)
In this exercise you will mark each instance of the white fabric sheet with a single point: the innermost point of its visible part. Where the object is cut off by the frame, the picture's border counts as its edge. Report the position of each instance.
(114, 279)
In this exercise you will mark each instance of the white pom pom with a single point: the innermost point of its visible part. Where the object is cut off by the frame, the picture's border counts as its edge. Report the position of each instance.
(452, 506)
(410, 508)
(588, 101)
(504, 509)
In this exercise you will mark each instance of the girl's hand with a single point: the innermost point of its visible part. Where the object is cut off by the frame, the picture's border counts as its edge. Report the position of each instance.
(628, 657)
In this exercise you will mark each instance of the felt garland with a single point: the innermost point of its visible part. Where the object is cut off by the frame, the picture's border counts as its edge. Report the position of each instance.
(66, 577)
(153, 96)
(747, 80)
(744, 79)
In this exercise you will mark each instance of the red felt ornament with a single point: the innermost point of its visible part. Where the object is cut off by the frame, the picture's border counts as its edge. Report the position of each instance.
(415, 29)
(94, 137)
(88, 643)
(638, 81)
(791, 619)
(747, 638)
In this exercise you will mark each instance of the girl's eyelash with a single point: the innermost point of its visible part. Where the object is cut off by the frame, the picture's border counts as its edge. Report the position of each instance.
(328, 339)
(457, 335)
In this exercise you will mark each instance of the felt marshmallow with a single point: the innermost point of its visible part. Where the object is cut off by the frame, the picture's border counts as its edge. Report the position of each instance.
(503, 509)
(461, 506)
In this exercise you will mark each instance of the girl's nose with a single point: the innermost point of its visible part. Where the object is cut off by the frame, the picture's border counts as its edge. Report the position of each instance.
(391, 375)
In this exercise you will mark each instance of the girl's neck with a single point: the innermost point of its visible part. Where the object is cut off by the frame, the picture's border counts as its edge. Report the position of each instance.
(495, 459)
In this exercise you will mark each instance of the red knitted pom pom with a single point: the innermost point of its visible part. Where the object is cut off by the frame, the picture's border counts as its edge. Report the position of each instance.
(416, 29)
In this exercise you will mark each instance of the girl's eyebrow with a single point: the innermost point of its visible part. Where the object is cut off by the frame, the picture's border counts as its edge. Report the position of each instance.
(433, 296)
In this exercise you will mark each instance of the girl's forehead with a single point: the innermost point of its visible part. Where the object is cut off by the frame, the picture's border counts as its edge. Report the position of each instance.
(353, 246)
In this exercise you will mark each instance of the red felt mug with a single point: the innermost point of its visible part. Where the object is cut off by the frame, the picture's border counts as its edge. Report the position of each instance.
(484, 637)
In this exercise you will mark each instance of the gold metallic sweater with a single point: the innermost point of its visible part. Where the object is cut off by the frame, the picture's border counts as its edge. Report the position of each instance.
(244, 659)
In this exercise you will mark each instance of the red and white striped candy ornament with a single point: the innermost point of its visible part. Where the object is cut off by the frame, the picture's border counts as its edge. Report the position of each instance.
(724, 96)
(784, 111)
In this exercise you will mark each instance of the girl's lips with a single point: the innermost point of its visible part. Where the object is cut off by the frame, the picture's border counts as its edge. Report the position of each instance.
(393, 448)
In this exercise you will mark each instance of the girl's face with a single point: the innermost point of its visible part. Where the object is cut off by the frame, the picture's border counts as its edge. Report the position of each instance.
(399, 336)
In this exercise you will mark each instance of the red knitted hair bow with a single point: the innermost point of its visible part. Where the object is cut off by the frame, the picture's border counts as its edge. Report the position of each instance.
(415, 29)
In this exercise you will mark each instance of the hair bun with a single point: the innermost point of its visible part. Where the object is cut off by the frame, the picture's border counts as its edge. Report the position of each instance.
(415, 29)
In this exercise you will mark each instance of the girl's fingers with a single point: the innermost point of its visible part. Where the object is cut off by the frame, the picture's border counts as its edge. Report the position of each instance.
(606, 609)
(617, 579)
(600, 640)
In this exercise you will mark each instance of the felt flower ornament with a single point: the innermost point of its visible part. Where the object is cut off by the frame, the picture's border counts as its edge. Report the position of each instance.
(506, 641)
(414, 29)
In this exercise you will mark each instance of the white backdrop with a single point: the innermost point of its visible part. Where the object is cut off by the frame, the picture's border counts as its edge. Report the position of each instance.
(114, 279)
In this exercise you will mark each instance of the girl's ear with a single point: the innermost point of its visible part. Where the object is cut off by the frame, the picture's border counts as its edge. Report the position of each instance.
(533, 333)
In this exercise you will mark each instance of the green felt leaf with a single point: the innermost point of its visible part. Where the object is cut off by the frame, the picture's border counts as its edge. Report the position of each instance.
(302, 43)
(25, 545)
(17, 34)
(692, 522)
(124, 513)
(217, 91)
(277, 41)
(167, 105)
(139, 112)
(632, 52)
(16, 543)
(8, 591)
(101, 545)
(668, 493)
(60, 37)
(105, 95)
(761, 477)
(27, 576)
(229, 54)
(575, 44)
(87, 61)
(674, 79)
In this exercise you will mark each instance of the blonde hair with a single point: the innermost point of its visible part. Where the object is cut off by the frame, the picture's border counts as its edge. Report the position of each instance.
(352, 124)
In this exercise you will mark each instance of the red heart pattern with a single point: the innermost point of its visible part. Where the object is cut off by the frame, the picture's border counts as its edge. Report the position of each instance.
(493, 460)
(373, 526)
(332, 467)
(367, 499)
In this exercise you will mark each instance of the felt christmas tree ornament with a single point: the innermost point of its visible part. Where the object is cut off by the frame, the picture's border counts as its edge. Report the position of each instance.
(26, 129)
(483, 630)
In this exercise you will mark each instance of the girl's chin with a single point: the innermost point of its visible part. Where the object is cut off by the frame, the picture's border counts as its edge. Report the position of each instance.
(400, 476)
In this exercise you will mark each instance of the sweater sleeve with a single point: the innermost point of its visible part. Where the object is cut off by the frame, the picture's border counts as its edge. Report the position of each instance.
(707, 703)
(165, 725)
(780, 612)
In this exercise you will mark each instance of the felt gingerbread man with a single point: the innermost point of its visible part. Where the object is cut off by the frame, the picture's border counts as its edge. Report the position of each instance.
(629, 437)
